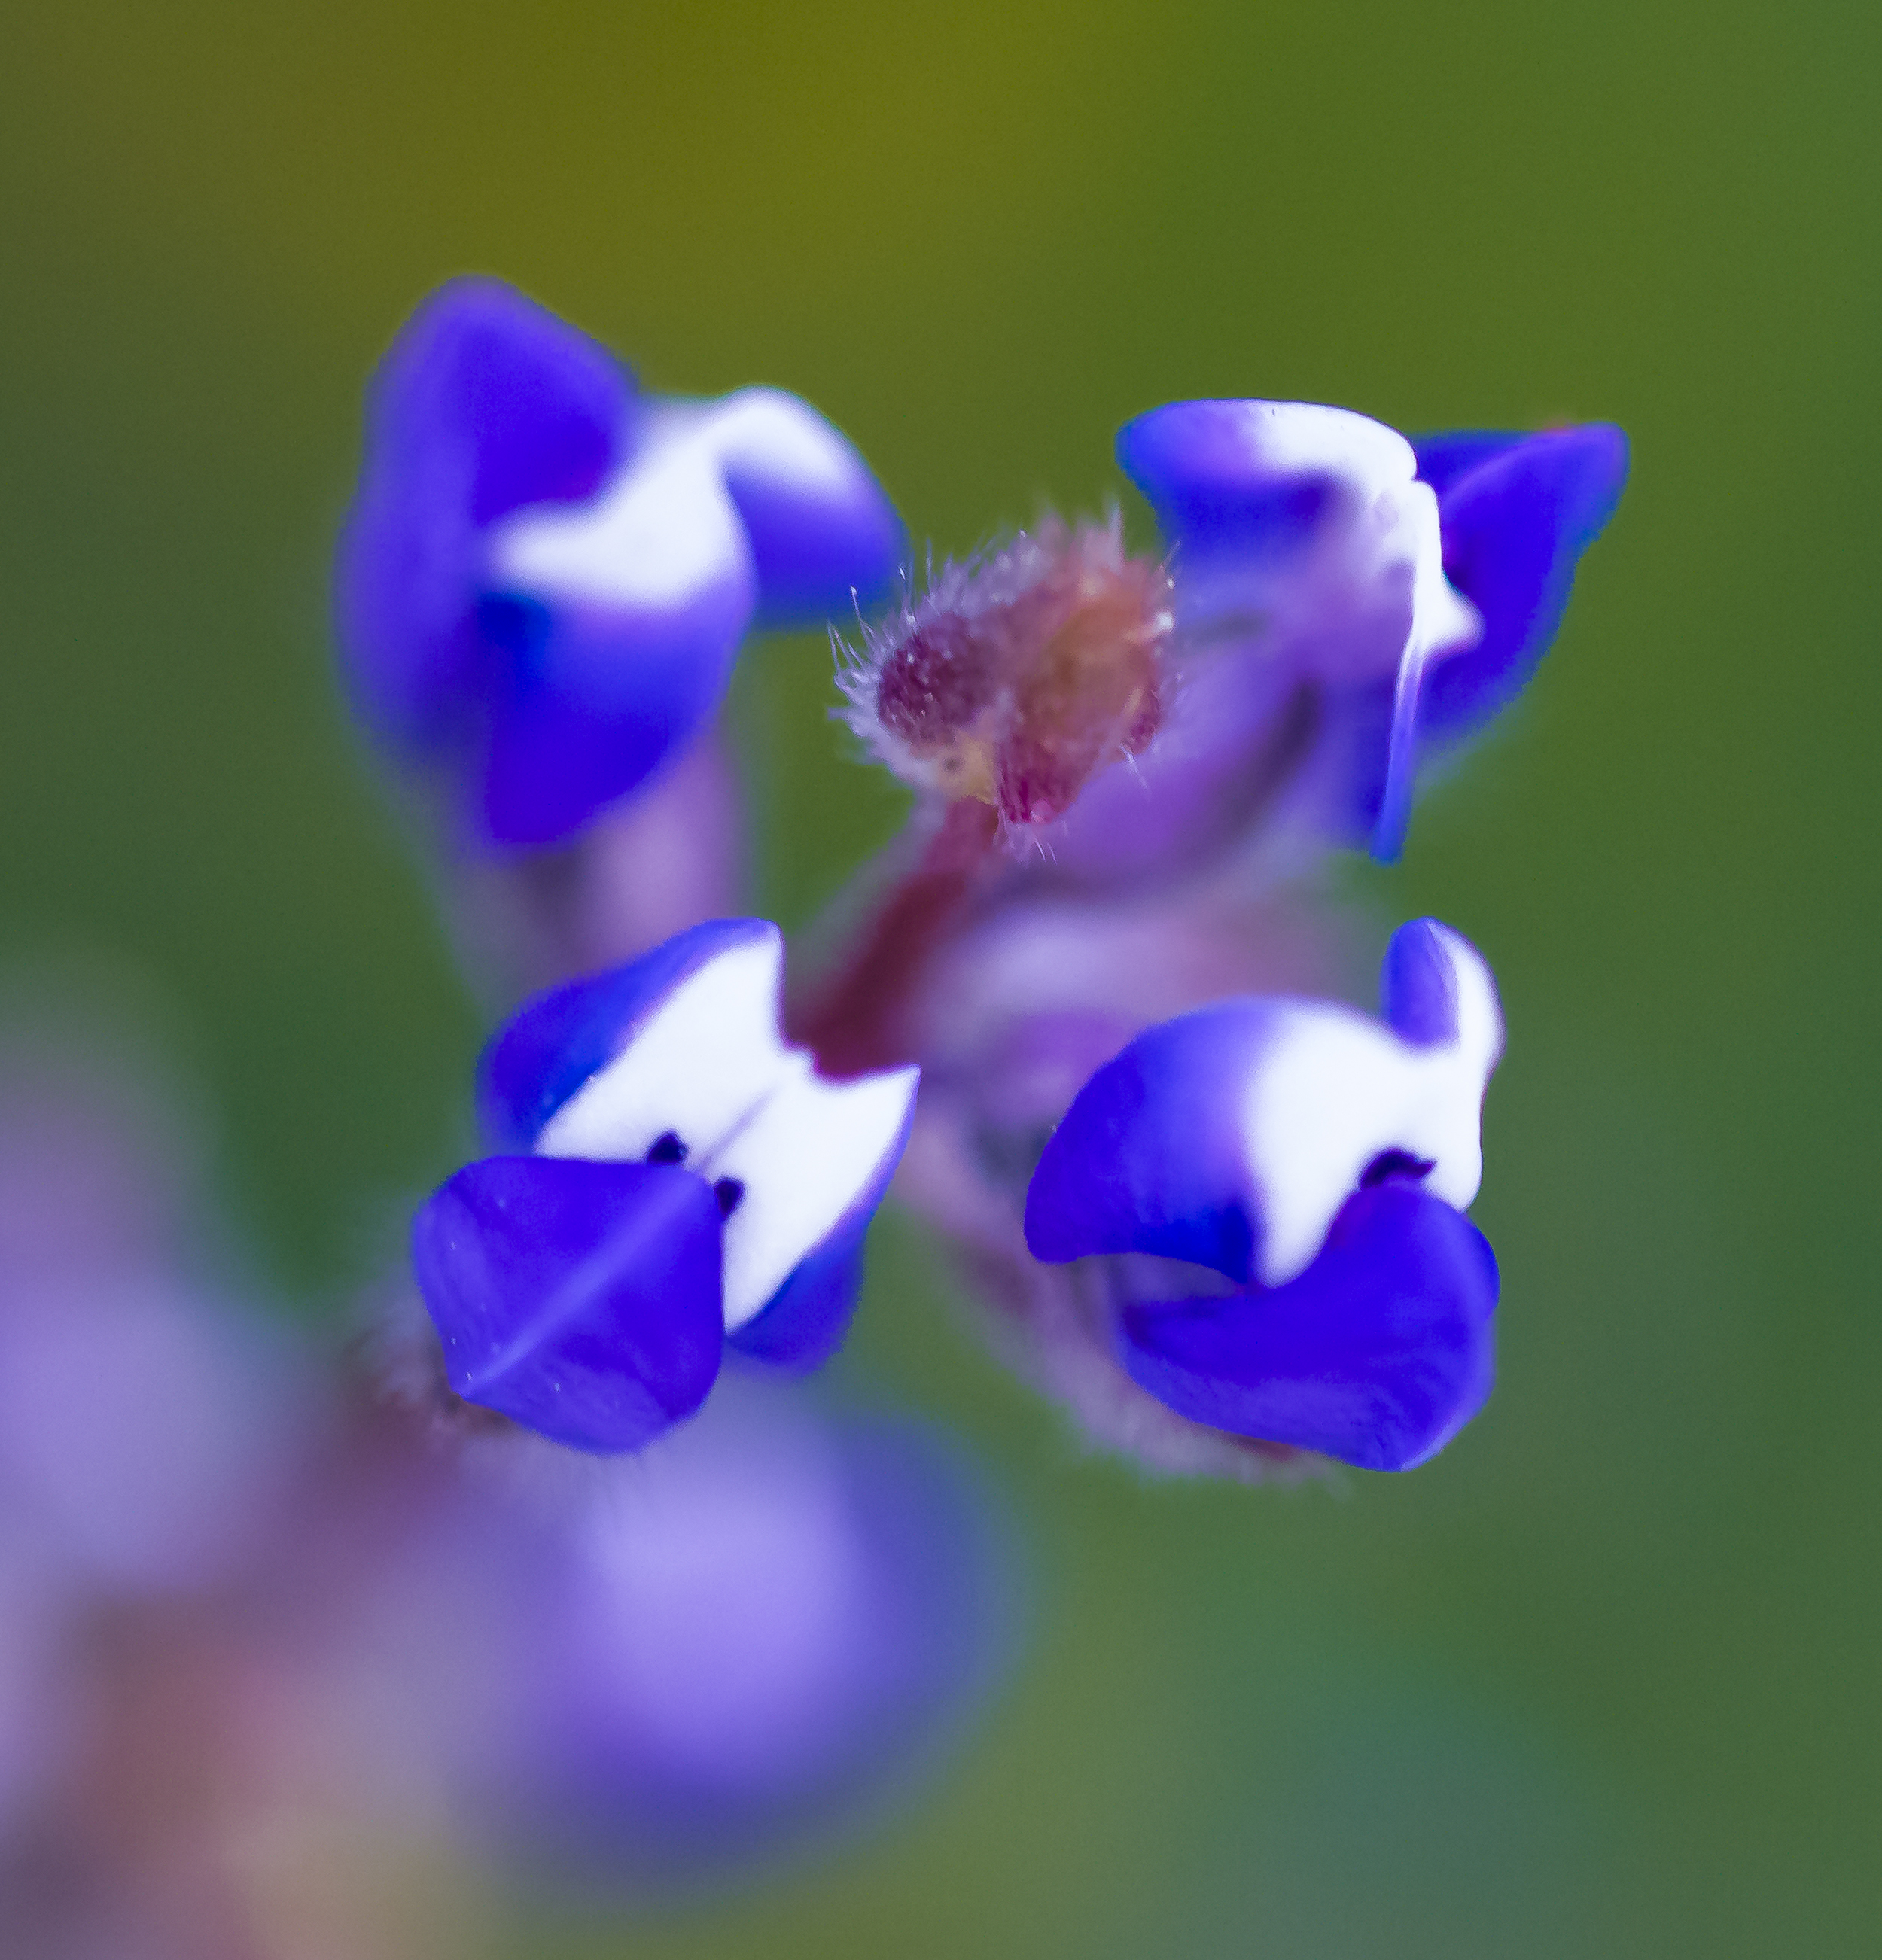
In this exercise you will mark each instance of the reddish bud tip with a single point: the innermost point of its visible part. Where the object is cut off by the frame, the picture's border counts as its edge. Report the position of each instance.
(1017, 675)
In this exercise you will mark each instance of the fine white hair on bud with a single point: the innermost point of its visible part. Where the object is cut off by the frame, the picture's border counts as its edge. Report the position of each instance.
(1017, 672)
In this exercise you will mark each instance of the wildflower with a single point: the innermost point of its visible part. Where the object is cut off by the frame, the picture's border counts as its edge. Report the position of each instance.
(1011, 979)
(691, 1183)
(1275, 1187)
(545, 575)
(1346, 600)
(1241, 1243)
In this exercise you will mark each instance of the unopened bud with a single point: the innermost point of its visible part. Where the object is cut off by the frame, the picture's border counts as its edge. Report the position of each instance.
(1016, 676)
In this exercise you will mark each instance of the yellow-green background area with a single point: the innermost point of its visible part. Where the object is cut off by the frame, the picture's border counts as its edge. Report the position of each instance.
(1603, 1679)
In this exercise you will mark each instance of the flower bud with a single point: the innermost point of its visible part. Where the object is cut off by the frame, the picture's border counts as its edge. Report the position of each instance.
(690, 1181)
(1017, 675)
(1276, 1188)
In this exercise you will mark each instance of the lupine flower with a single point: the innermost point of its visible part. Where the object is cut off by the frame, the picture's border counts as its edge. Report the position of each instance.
(545, 575)
(1275, 1187)
(1285, 668)
(1347, 602)
(1134, 751)
(1018, 1011)
(691, 1183)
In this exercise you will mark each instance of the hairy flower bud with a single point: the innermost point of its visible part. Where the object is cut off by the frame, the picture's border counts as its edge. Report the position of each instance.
(1016, 676)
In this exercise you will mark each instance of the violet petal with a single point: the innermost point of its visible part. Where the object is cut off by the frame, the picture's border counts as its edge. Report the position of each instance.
(556, 1042)
(485, 403)
(1376, 1355)
(582, 1300)
(1515, 525)
(824, 538)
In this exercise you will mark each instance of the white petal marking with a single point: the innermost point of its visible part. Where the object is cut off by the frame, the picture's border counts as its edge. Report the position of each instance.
(804, 1158)
(1334, 1088)
(711, 1066)
(765, 433)
(664, 529)
(1369, 588)
(660, 532)
(706, 1057)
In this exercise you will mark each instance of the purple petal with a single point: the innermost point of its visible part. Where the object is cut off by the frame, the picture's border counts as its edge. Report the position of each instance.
(775, 1631)
(1376, 1355)
(1444, 457)
(1515, 526)
(591, 701)
(485, 403)
(553, 1044)
(1192, 462)
(581, 1299)
(1230, 1137)
(824, 536)
(1418, 985)
(1152, 1155)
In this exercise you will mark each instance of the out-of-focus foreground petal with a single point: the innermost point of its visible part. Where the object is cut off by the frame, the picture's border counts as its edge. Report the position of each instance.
(763, 1621)
(146, 1422)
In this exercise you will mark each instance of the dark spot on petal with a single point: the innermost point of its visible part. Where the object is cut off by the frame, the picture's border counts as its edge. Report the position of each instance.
(1394, 1163)
(666, 1148)
(729, 1191)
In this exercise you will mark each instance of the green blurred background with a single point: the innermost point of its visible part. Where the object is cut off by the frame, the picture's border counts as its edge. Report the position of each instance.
(1603, 1679)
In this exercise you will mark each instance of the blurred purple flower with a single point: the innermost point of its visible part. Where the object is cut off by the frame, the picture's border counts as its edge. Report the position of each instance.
(146, 1423)
(736, 1637)
(153, 1433)
(1274, 1189)
(692, 1183)
(545, 575)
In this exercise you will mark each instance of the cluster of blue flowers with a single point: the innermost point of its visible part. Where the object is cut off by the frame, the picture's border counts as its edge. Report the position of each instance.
(562, 1553)
(1222, 1219)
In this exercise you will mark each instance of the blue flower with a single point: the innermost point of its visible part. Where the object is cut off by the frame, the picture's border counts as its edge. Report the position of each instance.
(1412, 586)
(1276, 1187)
(545, 575)
(679, 1181)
